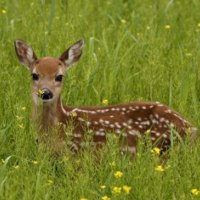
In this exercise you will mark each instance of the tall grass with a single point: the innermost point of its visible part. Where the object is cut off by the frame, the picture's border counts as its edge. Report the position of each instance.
(135, 50)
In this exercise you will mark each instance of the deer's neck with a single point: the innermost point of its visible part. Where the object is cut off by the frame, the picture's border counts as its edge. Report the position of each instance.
(49, 114)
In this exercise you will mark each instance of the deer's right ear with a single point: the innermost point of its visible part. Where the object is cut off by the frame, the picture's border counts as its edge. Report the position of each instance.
(24, 53)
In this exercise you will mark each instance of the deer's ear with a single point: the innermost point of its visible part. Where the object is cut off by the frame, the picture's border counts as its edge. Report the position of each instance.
(72, 54)
(24, 53)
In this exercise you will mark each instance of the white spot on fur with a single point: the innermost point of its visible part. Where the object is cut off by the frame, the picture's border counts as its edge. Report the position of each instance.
(130, 121)
(156, 116)
(118, 131)
(139, 119)
(124, 124)
(101, 121)
(133, 132)
(130, 149)
(81, 119)
(99, 133)
(112, 126)
(145, 123)
(164, 135)
(77, 135)
(140, 126)
(117, 125)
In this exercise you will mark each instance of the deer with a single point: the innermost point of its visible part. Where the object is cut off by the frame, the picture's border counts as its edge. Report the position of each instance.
(129, 121)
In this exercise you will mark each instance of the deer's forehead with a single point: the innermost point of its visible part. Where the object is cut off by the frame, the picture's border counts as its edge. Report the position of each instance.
(48, 66)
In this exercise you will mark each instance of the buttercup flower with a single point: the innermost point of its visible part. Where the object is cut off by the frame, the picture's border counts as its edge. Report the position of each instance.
(123, 21)
(167, 26)
(102, 186)
(105, 198)
(195, 192)
(118, 174)
(116, 190)
(40, 92)
(83, 198)
(126, 189)
(159, 168)
(23, 108)
(4, 11)
(105, 101)
(156, 151)
(73, 114)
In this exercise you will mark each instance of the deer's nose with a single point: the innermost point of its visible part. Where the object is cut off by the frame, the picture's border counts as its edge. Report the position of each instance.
(46, 94)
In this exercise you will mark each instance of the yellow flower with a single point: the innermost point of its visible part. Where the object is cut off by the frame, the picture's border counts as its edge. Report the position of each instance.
(73, 114)
(40, 91)
(105, 101)
(50, 182)
(195, 192)
(159, 168)
(198, 25)
(126, 189)
(105, 198)
(156, 151)
(4, 11)
(83, 198)
(102, 186)
(118, 174)
(116, 190)
(123, 21)
(35, 162)
(167, 26)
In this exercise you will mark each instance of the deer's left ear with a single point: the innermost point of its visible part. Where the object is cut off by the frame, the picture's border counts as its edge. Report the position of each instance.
(72, 54)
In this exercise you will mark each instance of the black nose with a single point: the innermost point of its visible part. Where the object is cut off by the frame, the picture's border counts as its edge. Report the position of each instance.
(47, 94)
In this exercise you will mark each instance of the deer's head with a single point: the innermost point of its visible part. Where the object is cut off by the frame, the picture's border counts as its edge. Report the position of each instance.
(47, 72)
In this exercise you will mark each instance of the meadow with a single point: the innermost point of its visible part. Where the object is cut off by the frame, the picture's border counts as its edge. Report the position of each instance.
(135, 51)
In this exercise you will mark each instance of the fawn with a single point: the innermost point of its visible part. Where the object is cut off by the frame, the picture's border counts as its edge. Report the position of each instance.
(129, 121)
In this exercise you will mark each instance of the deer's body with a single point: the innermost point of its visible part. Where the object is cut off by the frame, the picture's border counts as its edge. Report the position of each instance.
(128, 121)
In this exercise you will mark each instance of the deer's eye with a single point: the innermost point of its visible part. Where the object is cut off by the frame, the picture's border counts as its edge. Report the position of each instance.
(35, 77)
(59, 78)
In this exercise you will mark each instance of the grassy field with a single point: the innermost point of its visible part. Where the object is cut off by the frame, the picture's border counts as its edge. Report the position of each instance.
(135, 50)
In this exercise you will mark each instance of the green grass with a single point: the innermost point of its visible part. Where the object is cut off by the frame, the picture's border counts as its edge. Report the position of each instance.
(129, 55)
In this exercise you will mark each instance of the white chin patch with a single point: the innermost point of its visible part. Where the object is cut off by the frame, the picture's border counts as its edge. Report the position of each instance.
(47, 101)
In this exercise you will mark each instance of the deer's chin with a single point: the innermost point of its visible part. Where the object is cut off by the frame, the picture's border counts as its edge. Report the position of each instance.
(39, 102)
(47, 101)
